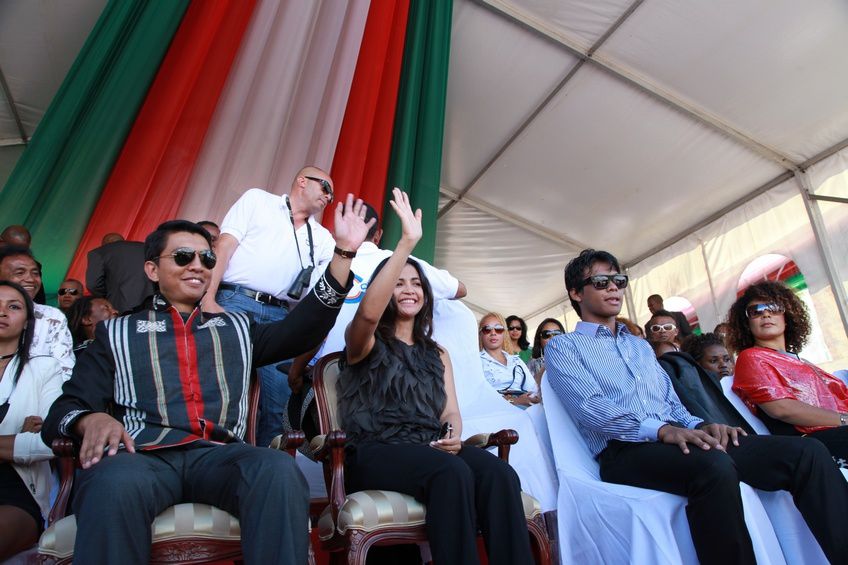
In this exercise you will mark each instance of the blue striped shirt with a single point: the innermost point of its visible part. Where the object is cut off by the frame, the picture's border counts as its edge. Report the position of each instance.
(614, 388)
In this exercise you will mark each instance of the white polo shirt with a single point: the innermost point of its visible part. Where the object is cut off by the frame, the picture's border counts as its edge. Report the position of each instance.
(266, 258)
(368, 256)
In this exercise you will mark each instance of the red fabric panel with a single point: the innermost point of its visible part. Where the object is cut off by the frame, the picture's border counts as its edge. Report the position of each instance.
(362, 154)
(148, 182)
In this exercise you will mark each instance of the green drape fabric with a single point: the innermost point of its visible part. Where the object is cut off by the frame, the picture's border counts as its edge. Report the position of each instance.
(58, 179)
(416, 160)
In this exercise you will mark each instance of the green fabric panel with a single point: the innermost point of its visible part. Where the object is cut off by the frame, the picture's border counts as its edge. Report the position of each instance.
(416, 160)
(58, 179)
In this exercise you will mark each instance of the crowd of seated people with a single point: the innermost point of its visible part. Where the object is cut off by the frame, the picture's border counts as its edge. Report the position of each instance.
(681, 420)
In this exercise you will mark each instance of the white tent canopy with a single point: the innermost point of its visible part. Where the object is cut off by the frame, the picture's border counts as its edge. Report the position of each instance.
(688, 138)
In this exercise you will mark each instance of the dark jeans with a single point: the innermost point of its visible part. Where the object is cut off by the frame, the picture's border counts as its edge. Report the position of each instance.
(461, 492)
(710, 480)
(117, 500)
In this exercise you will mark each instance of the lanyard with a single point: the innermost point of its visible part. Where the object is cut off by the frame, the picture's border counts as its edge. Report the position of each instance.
(308, 234)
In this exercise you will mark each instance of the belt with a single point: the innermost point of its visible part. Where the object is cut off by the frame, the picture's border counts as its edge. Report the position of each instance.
(258, 296)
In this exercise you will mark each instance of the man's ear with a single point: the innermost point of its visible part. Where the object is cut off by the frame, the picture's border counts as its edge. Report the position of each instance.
(575, 295)
(151, 269)
(378, 235)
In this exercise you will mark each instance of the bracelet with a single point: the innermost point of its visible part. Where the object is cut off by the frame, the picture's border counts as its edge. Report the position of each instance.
(344, 253)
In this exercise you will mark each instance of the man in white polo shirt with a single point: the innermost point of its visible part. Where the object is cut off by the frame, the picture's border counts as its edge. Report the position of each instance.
(270, 253)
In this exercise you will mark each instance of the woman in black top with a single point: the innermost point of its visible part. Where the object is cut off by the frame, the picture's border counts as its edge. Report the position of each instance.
(398, 406)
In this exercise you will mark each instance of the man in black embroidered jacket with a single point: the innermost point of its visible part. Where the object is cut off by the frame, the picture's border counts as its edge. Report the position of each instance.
(176, 382)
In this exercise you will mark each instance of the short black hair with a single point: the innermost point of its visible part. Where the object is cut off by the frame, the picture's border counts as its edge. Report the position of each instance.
(14, 251)
(154, 243)
(664, 314)
(371, 212)
(575, 271)
(655, 297)
(695, 345)
(208, 223)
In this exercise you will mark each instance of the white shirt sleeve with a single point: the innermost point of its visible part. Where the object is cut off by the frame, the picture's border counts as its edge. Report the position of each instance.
(238, 218)
(444, 284)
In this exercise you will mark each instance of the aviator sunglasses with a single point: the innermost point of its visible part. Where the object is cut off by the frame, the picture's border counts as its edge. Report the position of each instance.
(325, 186)
(487, 329)
(182, 256)
(757, 310)
(600, 282)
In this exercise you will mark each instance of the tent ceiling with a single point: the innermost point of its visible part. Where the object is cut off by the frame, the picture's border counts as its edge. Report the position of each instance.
(621, 125)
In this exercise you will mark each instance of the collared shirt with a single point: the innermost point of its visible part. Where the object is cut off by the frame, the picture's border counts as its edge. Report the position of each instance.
(513, 376)
(368, 257)
(53, 338)
(613, 387)
(266, 258)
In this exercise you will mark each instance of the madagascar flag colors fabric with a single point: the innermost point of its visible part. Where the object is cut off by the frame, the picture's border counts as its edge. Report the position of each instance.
(175, 108)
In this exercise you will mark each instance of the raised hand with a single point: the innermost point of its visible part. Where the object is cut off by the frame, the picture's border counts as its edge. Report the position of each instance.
(350, 225)
(410, 221)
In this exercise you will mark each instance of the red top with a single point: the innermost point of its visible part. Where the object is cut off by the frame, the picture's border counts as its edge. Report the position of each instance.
(765, 375)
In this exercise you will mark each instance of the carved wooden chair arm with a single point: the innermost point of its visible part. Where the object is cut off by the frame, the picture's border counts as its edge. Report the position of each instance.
(329, 449)
(502, 439)
(66, 453)
(288, 441)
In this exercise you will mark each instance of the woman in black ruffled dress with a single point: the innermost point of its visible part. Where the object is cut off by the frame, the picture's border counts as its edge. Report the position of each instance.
(398, 406)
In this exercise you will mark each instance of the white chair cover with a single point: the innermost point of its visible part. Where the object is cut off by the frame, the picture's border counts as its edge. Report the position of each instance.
(609, 523)
(484, 410)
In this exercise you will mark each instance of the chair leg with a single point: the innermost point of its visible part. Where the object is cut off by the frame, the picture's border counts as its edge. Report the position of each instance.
(357, 549)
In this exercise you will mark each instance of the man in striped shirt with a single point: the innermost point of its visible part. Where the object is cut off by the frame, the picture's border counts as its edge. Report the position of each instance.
(159, 405)
(626, 409)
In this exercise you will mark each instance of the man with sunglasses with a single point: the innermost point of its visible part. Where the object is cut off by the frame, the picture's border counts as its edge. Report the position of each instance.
(69, 292)
(635, 425)
(271, 251)
(159, 405)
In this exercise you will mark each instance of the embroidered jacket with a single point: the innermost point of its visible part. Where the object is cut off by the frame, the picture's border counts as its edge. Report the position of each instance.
(172, 378)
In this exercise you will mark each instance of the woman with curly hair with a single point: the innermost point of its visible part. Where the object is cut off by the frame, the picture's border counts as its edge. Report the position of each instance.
(768, 327)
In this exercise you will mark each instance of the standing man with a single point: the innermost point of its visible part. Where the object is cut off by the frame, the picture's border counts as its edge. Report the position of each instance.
(626, 409)
(655, 304)
(51, 336)
(271, 252)
(116, 272)
(175, 381)
(69, 292)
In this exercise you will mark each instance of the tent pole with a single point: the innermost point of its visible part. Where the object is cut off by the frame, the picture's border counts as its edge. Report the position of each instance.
(823, 242)
(709, 279)
(628, 299)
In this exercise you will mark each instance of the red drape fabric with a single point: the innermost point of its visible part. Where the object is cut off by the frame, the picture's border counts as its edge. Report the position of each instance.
(362, 154)
(148, 182)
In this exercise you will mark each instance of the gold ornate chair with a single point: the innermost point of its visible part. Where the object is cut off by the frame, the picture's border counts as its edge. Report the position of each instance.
(352, 523)
(185, 533)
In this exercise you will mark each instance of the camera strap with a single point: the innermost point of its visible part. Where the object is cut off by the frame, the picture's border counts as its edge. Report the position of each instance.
(308, 235)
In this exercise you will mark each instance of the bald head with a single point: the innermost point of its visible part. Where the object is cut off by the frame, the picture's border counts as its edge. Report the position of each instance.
(311, 191)
(16, 235)
(111, 238)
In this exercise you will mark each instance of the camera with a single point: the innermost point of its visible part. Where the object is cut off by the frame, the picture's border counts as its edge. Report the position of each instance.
(301, 283)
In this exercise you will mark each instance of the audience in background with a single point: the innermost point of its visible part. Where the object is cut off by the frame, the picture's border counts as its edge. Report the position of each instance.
(517, 342)
(721, 330)
(506, 372)
(29, 384)
(768, 327)
(116, 272)
(69, 292)
(663, 332)
(547, 330)
(16, 235)
(632, 326)
(709, 352)
(83, 318)
(655, 304)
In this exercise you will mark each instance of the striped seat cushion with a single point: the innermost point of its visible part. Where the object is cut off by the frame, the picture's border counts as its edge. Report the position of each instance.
(181, 521)
(370, 510)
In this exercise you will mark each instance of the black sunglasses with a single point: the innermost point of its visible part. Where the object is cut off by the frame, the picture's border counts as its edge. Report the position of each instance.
(325, 185)
(600, 282)
(64, 291)
(548, 334)
(515, 328)
(182, 256)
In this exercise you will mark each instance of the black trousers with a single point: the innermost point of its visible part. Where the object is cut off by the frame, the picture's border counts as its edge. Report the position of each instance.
(118, 498)
(461, 492)
(709, 479)
(836, 441)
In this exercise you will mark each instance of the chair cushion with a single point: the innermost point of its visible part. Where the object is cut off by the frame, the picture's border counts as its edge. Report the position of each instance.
(183, 521)
(370, 510)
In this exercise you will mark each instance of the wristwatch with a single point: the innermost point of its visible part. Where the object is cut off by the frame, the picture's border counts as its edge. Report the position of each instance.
(344, 253)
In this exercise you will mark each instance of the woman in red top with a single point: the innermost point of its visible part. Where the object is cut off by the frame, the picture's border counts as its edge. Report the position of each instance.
(769, 326)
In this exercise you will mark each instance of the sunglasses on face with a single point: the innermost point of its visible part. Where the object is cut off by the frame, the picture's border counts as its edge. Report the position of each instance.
(548, 334)
(487, 329)
(325, 186)
(757, 310)
(658, 327)
(183, 256)
(515, 328)
(64, 291)
(600, 282)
